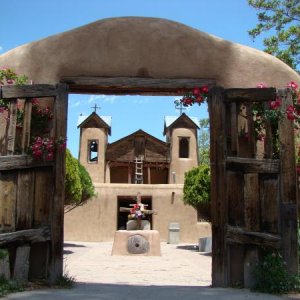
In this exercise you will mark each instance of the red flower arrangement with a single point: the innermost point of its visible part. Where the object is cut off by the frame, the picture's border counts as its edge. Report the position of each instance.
(197, 95)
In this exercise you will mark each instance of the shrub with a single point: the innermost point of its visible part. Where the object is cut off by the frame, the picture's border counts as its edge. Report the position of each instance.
(272, 277)
(196, 190)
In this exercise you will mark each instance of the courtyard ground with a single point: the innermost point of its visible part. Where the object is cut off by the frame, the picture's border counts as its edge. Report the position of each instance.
(180, 273)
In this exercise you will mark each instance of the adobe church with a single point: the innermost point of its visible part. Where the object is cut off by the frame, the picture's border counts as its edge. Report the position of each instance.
(137, 163)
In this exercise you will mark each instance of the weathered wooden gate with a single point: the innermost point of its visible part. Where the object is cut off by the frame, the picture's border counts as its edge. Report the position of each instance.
(32, 191)
(254, 198)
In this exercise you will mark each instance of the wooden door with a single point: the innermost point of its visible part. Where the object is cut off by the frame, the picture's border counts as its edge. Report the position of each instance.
(254, 194)
(32, 190)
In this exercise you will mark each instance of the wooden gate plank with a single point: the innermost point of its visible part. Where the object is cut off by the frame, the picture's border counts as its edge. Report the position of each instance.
(25, 199)
(218, 189)
(269, 195)
(43, 196)
(26, 126)
(235, 196)
(8, 198)
(21, 267)
(252, 203)
(11, 134)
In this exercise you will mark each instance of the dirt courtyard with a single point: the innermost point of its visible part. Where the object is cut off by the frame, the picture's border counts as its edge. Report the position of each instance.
(180, 265)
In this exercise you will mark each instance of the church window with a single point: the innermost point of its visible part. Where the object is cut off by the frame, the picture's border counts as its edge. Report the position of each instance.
(184, 147)
(92, 150)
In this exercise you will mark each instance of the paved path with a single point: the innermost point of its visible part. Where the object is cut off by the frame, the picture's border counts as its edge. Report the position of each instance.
(180, 273)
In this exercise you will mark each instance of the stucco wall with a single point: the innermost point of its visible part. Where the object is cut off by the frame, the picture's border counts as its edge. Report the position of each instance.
(95, 169)
(97, 219)
(146, 47)
(182, 165)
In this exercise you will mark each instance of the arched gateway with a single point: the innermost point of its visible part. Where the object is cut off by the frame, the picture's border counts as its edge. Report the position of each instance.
(254, 201)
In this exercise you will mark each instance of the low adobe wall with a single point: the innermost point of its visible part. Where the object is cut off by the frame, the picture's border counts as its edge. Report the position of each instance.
(97, 219)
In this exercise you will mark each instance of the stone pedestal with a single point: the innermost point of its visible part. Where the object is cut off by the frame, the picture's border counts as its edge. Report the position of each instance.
(136, 242)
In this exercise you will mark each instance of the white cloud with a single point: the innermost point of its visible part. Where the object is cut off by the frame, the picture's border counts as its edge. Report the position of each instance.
(1, 49)
(141, 100)
(105, 98)
(76, 104)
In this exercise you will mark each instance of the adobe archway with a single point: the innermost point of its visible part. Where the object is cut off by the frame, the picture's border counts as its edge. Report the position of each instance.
(145, 50)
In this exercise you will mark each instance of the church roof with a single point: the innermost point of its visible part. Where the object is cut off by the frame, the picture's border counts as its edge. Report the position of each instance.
(101, 121)
(171, 121)
(139, 142)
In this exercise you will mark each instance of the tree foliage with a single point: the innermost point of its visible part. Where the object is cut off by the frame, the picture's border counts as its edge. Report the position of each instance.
(282, 19)
(196, 190)
(203, 142)
(78, 183)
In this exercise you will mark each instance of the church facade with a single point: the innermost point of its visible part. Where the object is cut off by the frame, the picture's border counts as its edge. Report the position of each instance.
(137, 163)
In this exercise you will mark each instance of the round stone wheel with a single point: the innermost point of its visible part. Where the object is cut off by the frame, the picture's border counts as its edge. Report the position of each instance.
(137, 244)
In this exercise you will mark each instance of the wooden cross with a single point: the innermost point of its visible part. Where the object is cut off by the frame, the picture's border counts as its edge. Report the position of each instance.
(95, 107)
(180, 107)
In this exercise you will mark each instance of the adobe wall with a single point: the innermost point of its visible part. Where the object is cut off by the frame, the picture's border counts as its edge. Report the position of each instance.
(146, 47)
(97, 219)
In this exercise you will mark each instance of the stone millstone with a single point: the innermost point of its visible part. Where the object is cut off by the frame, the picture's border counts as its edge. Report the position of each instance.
(137, 244)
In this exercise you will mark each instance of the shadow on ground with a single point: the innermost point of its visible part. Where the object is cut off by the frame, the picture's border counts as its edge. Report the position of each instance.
(88, 291)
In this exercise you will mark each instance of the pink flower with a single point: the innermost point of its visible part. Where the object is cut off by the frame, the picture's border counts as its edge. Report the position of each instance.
(290, 112)
(199, 99)
(10, 81)
(275, 103)
(204, 89)
(50, 156)
(292, 85)
(196, 91)
(261, 85)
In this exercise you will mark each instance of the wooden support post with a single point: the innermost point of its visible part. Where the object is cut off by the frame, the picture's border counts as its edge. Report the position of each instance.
(57, 218)
(288, 189)
(149, 175)
(218, 193)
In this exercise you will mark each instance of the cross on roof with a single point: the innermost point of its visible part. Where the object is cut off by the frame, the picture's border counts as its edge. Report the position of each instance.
(180, 107)
(95, 107)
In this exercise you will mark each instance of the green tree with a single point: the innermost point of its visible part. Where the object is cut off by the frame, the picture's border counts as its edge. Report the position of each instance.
(203, 142)
(78, 183)
(281, 18)
(73, 187)
(196, 191)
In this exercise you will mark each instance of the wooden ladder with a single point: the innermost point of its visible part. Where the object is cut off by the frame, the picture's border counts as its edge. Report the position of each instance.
(138, 170)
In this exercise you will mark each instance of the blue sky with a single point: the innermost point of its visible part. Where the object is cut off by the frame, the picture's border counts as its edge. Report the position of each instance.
(26, 21)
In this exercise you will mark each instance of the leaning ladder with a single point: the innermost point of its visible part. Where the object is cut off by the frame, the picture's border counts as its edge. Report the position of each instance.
(138, 170)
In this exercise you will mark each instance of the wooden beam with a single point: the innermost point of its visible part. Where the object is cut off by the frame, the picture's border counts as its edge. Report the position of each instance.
(134, 85)
(252, 165)
(27, 91)
(251, 94)
(25, 236)
(15, 162)
(241, 236)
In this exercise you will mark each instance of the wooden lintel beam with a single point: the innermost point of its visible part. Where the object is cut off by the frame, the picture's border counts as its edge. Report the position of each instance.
(134, 85)
(252, 165)
(250, 94)
(15, 162)
(28, 91)
(25, 236)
